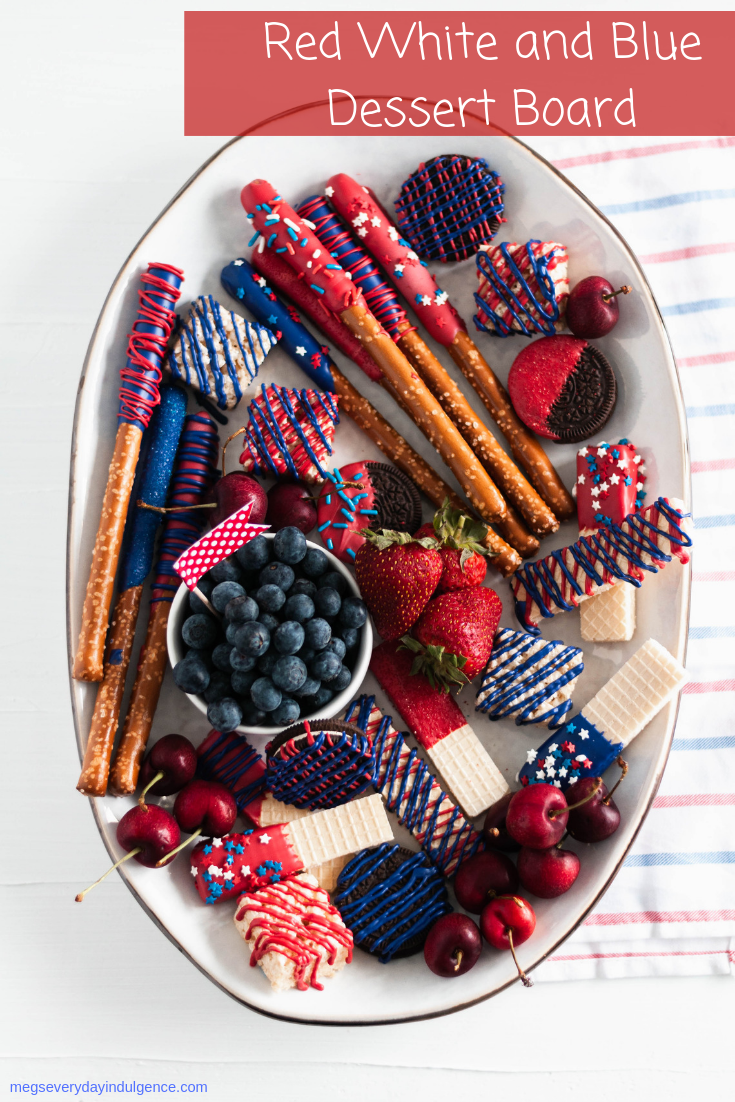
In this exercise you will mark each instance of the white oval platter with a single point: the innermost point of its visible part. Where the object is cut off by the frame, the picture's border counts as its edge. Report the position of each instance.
(201, 230)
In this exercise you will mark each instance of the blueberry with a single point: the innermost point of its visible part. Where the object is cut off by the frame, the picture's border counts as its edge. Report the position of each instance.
(299, 608)
(271, 622)
(225, 592)
(254, 554)
(327, 602)
(323, 697)
(225, 571)
(224, 715)
(325, 666)
(342, 680)
(231, 632)
(315, 563)
(317, 633)
(333, 580)
(252, 638)
(288, 638)
(218, 687)
(206, 587)
(221, 657)
(310, 687)
(338, 647)
(251, 715)
(289, 673)
(306, 653)
(351, 637)
(199, 631)
(277, 573)
(289, 545)
(270, 598)
(265, 695)
(241, 662)
(288, 711)
(242, 681)
(240, 609)
(191, 673)
(303, 585)
(353, 613)
(267, 663)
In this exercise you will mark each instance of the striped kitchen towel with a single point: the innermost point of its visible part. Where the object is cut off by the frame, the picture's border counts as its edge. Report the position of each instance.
(671, 909)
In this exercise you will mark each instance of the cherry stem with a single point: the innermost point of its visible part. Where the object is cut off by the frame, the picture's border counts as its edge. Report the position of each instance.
(165, 860)
(624, 290)
(158, 777)
(80, 898)
(624, 766)
(571, 807)
(175, 508)
(524, 978)
(458, 957)
(224, 447)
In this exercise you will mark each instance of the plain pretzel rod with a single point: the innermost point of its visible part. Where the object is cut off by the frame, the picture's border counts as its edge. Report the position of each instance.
(360, 209)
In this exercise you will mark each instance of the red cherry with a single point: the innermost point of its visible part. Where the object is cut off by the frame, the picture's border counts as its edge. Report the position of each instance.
(232, 492)
(149, 834)
(506, 922)
(599, 817)
(494, 830)
(170, 765)
(290, 505)
(592, 307)
(483, 876)
(205, 807)
(547, 872)
(453, 945)
(537, 816)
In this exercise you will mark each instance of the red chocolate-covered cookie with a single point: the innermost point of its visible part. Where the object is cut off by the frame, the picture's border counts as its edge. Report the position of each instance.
(563, 388)
(365, 495)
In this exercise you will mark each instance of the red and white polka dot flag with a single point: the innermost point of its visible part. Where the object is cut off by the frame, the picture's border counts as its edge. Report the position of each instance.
(217, 545)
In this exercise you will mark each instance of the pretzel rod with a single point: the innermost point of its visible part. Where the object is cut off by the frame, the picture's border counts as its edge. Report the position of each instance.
(359, 207)
(383, 303)
(138, 397)
(93, 778)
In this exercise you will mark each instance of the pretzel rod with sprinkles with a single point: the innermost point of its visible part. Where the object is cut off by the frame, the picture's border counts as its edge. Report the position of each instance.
(359, 207)
(283, 230)
(139, 395)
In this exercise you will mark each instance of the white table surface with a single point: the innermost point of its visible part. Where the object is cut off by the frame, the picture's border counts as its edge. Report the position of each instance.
(96, 992)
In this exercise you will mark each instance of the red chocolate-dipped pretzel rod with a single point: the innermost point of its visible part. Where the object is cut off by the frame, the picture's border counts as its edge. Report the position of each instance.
(505, 558)
(359, 207)
(284, 231)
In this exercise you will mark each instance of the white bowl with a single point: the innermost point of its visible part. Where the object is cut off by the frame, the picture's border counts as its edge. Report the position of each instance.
(176, 650)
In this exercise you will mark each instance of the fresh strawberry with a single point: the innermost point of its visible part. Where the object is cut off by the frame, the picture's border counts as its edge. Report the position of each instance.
(460, 546)
(397, 575)
(454, 635)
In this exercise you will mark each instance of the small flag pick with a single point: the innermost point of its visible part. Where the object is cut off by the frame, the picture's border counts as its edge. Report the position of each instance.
(214, 546)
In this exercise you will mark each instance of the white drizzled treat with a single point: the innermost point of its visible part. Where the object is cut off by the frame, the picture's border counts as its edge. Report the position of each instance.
(522, 288)
(218, 352)
(529, 678)
(591, 741)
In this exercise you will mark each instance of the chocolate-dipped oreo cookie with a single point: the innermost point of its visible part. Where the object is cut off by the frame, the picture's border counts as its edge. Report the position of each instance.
(365, 495)
(319, 764)
(563, 388)
(390, 898)
(450, 206)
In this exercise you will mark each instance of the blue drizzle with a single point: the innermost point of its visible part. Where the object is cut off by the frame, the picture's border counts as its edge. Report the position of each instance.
(547, 307)
(204, 333)
(211, 766)
(557, 761)
(446, 850)
(592, 552)
(396, 910)
(519, 664)
(335, 768)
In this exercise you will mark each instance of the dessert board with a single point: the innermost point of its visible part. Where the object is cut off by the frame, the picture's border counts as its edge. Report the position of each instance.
(202, 230)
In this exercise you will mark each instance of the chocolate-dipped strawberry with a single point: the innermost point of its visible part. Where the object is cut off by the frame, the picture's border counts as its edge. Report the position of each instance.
(365, 495)
(563, 388)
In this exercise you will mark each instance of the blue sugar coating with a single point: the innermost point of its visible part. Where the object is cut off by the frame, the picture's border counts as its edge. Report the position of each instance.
(547, 306)
(446, 850)
(212, 767)
(242, 282)
(592, 552)
(162, 440)
(504, 684)
(395, 910)
(203, 340)
(337, 767)
(557, 761)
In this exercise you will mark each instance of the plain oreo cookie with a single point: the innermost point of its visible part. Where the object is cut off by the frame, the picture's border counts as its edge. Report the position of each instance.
(390, 898)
